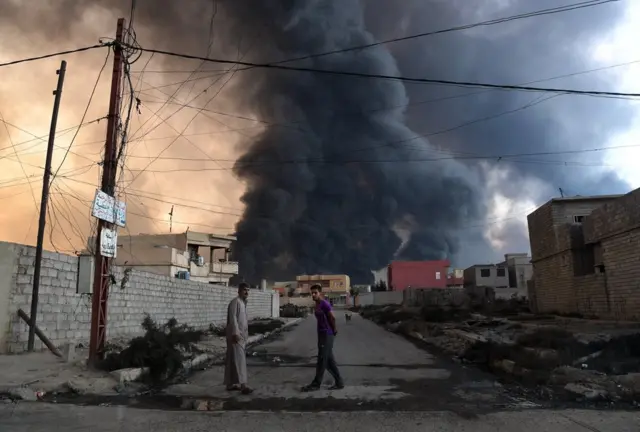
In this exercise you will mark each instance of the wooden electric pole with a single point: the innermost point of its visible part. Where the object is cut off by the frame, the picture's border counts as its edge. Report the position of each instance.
(171, 220)
(43, 204)
(102, 277)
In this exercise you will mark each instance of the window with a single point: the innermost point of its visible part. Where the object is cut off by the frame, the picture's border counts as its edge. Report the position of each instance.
(485, 272)
(578, 219)
(437, 275)
(501, 272)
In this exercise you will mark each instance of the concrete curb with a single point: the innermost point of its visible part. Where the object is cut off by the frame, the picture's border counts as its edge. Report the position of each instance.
(134, 374)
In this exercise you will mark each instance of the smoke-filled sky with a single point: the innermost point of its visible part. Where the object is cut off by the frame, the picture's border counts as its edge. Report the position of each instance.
(331, 210)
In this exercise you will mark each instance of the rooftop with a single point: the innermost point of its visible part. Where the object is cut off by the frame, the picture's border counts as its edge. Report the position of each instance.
(501, 264)
(586, 198)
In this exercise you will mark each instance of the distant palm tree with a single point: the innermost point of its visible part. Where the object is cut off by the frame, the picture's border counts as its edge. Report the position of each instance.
(354, 295)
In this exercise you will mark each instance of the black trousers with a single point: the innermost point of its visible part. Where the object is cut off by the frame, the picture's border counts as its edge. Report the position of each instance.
(326, 361)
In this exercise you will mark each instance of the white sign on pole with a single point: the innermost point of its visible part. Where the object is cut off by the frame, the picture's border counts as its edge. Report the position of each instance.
(105, 208)
(108, 243)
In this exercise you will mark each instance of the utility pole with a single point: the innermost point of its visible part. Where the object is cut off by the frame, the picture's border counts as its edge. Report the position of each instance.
(43, 204)
(171, 220)
(102, 278)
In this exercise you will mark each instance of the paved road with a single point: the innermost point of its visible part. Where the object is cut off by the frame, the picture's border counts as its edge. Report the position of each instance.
(68, 418)
(391, 385)
(382, 371)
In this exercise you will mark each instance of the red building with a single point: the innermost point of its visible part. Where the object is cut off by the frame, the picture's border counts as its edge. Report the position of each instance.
(417, 274)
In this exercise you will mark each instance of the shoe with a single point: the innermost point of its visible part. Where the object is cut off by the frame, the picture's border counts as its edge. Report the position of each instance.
(336, 387)
(310, 388)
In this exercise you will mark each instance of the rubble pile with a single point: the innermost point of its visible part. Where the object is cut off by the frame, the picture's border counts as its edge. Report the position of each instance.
(293, 311)
(584, 359)
(259, 326)
(162, 349)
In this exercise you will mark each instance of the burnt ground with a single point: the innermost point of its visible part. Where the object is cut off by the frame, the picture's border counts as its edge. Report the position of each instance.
(383, 371)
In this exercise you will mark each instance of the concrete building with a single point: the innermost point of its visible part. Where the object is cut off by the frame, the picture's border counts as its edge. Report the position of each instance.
(585, 255)
(488, 275)
(204, 256)
(284, 288)
(334, 287)
(508, 277)
(417, 274)
(455, 278)
(519, 269)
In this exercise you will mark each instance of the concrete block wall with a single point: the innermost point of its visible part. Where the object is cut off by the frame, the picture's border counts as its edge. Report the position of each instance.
(436, 297)
(64, 315)
(380, 298)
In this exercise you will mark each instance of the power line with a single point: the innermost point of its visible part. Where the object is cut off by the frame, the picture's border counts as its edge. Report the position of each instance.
(399, 78)
(284, 124)
(541, 12)
(44, 137)
(194, 117)
(86, 203)
(499, 157)
(84, 115)
(183, 199)
(56, 54)
(445, 130)
(24, 172)
(161, 200)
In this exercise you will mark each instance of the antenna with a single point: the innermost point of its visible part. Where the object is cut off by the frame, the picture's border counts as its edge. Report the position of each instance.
(561, 192)
(171, 219)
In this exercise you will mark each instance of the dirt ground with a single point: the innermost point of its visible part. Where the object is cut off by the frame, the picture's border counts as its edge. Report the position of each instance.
(582, 359)
(31, 376)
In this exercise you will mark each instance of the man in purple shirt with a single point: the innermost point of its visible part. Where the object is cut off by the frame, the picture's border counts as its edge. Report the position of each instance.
(326, 334)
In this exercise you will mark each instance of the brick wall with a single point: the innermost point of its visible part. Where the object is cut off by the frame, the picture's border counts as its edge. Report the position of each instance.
(64, 315)
(615, 230)
(610, 236)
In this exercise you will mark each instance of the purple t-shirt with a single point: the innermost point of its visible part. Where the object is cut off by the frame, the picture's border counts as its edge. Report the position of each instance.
(323, 307)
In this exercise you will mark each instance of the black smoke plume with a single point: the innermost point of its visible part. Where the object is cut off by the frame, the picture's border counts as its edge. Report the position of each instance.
(316, 199)
(334, 207)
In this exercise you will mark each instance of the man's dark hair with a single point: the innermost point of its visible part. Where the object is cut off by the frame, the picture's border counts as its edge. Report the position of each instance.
(243, 285)
(316, 287)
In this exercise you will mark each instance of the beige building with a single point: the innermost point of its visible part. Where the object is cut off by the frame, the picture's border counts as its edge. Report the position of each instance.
(331, 284)
(204, 256)
(335, 288)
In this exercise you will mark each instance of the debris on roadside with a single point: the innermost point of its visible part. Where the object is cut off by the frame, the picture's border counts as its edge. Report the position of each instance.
(162, 349)
(583, 359)
(258, 326)
(293, 311)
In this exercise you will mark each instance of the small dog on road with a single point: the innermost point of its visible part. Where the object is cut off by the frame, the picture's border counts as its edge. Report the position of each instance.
(347, 316)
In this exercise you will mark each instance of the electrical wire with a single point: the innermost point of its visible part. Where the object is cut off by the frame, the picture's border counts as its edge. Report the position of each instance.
(190, 121)
(56, 54)
(84, 115)
(501, 157)
(398, 78)
(541, 12)
(44, 138)
(26, 176)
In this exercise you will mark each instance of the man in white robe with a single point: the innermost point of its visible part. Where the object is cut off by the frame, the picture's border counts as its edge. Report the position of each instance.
(235, 371)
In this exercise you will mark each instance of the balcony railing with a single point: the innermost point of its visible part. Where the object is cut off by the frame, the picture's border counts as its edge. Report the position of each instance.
(226, 267)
